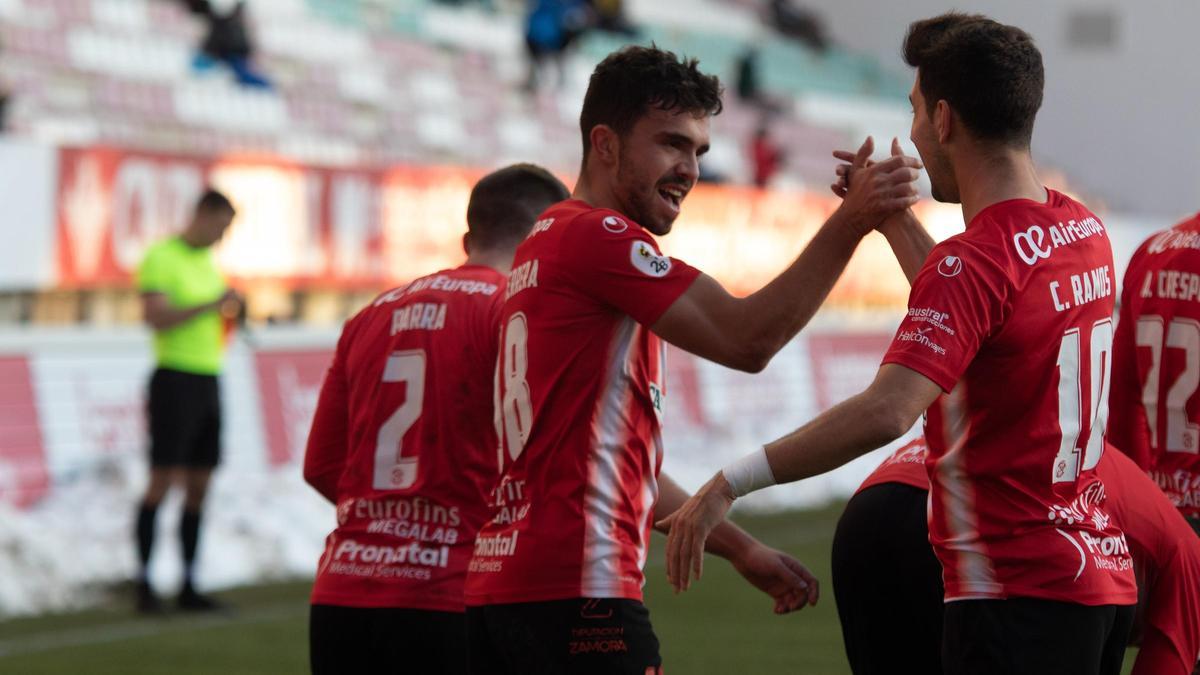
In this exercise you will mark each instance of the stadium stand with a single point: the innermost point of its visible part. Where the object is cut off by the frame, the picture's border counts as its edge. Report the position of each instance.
(367, 82)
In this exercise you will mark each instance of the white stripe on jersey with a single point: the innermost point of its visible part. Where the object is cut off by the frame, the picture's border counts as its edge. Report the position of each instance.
(601, 550)
(979, 578)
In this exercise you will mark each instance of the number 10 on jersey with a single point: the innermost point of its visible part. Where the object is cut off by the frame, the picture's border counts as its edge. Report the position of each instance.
(1071, 411)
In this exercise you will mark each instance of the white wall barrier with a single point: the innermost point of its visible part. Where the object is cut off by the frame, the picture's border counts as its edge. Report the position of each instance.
(73, 451)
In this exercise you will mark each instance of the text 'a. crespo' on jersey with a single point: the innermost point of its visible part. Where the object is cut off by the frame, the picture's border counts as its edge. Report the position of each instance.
(1017, 313)
(580, 388)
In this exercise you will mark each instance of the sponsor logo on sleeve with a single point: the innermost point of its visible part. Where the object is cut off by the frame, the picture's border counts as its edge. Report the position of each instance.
(647, 261)
(950, 266)
(614, 224)
(933, 317)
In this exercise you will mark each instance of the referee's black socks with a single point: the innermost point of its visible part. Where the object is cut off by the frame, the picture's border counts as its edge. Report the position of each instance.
(145, 538)
(189, 536)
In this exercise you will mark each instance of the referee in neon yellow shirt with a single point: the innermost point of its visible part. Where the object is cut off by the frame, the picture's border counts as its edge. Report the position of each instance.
(186, 302)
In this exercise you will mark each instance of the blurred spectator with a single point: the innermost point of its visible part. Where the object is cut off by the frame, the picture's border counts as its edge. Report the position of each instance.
(227, 42)
(551, 27)
(798, 23)
(610, 17)
(749, 86)
(765, 155)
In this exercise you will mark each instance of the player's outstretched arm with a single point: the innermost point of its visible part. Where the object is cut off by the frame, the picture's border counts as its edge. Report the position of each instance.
(909, 240)
(874, 418)
(779, 575)
(744, 333)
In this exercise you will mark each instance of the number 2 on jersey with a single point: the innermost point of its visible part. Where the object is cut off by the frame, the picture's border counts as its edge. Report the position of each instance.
(516, 408)
(1071, 413)
(392, 470)
(1183, 334)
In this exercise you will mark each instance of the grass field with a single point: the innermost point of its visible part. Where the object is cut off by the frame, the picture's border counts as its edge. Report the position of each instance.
(721, 626)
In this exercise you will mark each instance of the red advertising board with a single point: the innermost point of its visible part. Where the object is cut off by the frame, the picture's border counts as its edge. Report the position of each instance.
(288, 385)
(844, 364)
(24, 477)
(373, 228)
(296, 224)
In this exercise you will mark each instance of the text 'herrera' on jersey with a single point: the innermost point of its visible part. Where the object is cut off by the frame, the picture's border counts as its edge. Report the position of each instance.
(1017, 313)
(579, 398)
(403, 442)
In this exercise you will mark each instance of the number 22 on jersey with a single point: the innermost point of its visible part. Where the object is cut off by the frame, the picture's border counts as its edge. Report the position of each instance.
(1184, 335)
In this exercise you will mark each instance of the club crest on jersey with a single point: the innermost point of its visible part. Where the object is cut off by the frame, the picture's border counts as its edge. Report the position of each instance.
(644, 258)
(950, 266)
(614, 224)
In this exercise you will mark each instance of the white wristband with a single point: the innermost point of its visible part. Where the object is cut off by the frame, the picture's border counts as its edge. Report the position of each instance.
(749, 473)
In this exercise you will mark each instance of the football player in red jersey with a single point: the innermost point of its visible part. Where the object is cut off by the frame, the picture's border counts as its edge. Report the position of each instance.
(1154, 411)
(555, 585)
(892, 614)
(403, 443)
(1017, 311)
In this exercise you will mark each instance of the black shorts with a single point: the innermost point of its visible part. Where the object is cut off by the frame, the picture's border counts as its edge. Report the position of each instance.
(1024, 636)
(381, 640)
(582, 636)
(888, 583)
(184, 414)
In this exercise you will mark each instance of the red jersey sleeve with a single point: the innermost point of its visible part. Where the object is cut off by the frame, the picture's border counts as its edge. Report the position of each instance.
(956, 301)
(325, 454)
(1127, 426)
(617, 262)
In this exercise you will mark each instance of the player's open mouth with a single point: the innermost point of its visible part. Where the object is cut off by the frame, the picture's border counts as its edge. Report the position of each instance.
(673, 195)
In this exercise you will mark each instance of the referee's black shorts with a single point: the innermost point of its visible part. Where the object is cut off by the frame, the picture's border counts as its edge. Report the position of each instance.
(184, 415)
(382, 640)
(888, 583)
(580, 636)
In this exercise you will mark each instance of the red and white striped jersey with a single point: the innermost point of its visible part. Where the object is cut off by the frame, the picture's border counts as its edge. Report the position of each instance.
(402, 441)
(1017, 311)
(1155, 413)
(579, 387)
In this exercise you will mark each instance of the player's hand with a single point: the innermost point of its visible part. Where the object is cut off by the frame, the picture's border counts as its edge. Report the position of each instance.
(780, 576)
(875, 190)
(689, 528)
(230, 304)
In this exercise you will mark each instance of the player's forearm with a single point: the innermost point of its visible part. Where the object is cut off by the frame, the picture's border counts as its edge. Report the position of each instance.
(727, 540)
(771, 317)
(909, 240)
(846, 431)
(162, 318)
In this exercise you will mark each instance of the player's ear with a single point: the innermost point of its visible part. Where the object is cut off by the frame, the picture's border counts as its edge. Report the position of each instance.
(466, 243)
(943, 120)
(604, 143)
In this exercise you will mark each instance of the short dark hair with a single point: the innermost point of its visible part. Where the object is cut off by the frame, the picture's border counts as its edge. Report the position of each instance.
(990, 74)
(628, 82)
(505, 203)
(212, 201)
